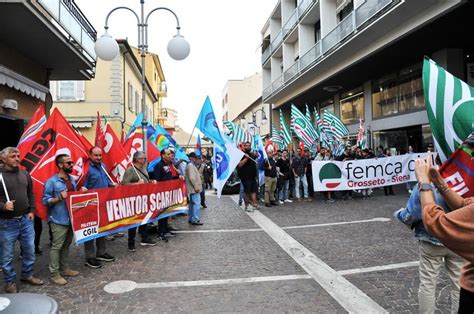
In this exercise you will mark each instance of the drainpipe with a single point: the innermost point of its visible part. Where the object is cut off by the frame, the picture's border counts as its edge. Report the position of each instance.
(124, 89)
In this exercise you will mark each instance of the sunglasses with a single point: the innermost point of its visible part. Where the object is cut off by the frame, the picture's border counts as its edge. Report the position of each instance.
(68, 162)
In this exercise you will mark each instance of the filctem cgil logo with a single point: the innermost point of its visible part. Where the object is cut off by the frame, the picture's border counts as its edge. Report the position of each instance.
(330, 176)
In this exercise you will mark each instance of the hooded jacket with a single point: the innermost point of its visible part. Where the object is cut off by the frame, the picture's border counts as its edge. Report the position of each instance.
(20, 189)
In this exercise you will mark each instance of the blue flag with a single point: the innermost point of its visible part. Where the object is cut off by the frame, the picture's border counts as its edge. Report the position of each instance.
(198, 146)
(138, 124)
(162, 139)
(207, 123)
(262, 155)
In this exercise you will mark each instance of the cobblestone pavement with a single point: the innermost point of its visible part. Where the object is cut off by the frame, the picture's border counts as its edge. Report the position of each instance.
(242, 250)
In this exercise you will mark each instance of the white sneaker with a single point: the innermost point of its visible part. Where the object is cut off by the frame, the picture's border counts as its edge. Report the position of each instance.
(288, 201)
(281, 202)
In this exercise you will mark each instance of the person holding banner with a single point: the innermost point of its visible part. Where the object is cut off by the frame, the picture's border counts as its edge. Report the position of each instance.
(137, 174)
(454, 229)
(55, 194)
(17, 211)
(97, 178)
(165, 171)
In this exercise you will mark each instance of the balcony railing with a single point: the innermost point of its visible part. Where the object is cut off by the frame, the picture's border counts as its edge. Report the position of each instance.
(355, 21)
(266, 54)
(276, 42)
(292, 71)
(73, 22)
(340, 32)
(290, 23)
(310, 56)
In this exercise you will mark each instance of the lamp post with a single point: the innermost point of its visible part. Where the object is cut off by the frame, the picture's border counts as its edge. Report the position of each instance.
(107, 49)
(254, 119)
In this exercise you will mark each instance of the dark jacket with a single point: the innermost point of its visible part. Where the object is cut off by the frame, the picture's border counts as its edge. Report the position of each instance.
(272, 173)
(162, 172)
(20, 189)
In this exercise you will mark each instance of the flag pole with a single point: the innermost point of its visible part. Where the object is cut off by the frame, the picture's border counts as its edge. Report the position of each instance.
(108, 176)
(5, 188)
(190, 137)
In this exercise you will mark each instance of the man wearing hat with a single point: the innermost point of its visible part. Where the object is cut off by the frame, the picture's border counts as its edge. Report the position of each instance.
(194, 187)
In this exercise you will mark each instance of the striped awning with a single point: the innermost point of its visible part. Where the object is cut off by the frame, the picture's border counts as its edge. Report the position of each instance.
(21, 83)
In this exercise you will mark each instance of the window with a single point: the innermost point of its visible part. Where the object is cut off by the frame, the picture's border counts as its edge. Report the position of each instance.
(69, 90)
(326, 105)
(347, 8)
(130, 97)
(137, 103)
(398, 93)
(352, 106)
(317, 31)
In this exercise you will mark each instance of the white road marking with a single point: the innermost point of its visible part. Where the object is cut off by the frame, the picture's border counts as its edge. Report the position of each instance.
(377, 219)
(123, 286)
(217, 230)
(345, 293)
(378, 268)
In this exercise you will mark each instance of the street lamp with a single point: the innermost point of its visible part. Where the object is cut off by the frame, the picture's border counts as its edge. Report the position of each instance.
(107, 49)
(264, 116)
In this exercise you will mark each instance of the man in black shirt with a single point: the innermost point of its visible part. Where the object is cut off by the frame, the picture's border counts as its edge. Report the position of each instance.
(283, 166)
(269, 167)
(247, 170)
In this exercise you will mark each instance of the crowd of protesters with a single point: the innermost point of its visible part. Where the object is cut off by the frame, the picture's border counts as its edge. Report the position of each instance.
(289, 177)
(18, 213)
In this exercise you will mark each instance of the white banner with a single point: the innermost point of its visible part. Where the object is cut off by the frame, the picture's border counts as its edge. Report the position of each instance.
(364, 173)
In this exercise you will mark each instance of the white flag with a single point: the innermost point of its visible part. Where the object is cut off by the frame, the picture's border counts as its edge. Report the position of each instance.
(224, 161)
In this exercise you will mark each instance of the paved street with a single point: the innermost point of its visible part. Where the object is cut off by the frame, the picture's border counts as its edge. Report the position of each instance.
(290, 258)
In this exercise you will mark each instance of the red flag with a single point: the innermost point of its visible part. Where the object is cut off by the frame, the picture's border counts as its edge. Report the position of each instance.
(99, 133)
(115, 157)
(301, 146)
(135, 143)
(458, 172)
(36, 123)
(55, 137)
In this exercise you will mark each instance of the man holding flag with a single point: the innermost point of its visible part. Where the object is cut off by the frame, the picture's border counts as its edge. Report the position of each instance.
(17, 211)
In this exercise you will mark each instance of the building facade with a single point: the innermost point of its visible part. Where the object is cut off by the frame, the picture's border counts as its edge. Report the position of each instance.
(116, 93)
(363, 60)
(40, 41)
(242, 104)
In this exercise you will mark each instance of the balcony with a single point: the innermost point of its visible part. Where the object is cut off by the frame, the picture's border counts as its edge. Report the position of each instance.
(290, 24)
(55, 34)
(342, 32)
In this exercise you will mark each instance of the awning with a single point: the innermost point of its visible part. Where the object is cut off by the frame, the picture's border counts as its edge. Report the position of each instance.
(21, 83)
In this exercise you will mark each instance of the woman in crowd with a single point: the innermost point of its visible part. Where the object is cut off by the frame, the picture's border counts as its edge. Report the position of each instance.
(454, 229)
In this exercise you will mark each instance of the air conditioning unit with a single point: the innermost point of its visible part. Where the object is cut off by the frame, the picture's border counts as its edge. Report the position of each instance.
(10, 104)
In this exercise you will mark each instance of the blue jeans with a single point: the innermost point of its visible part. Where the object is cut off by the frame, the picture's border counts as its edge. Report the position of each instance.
(304, 181)
(194, 207)
(283, 194)
(12, 230)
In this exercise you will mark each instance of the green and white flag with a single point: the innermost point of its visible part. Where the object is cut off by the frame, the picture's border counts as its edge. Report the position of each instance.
(450, 107)
(339, 128)
(284, 130)
(276, 138)
(303, 127)
(237, 134)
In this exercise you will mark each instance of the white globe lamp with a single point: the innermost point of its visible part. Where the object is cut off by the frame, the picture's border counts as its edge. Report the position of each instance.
(106, 47)
(178, 47)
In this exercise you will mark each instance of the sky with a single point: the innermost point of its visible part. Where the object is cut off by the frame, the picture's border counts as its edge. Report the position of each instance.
(224, 35)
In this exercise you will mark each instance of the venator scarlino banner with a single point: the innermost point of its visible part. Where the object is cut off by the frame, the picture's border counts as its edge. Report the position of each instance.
(364, 173)
(100, 212)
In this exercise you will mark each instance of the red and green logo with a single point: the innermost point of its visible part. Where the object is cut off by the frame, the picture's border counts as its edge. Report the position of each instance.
(330, 176)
